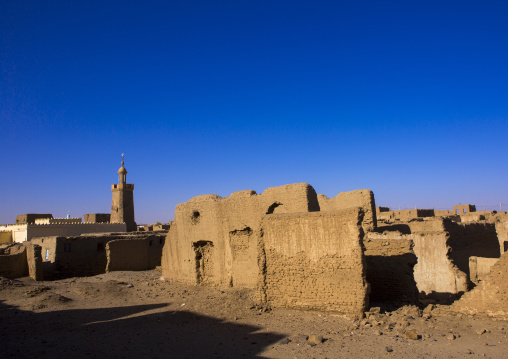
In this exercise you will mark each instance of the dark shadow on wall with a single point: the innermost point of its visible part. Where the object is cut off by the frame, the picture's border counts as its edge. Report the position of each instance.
(391, 280)
(442, 298)
(402, 228)
(126, 332)
(471, 239)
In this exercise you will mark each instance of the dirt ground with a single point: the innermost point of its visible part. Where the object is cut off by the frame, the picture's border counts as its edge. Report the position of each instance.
(137, 315)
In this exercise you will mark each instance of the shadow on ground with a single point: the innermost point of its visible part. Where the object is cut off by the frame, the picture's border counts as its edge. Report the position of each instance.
(126, 332)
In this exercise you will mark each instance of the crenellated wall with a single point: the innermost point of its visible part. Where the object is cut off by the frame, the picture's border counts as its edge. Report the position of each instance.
(25, 232)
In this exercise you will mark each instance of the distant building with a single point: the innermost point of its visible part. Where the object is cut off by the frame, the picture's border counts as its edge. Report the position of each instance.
(31, 217)
(120, 220)
(122, 204)
(464, 208)
(97, 217)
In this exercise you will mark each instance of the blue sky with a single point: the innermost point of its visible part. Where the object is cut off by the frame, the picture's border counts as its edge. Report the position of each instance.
(406, 98)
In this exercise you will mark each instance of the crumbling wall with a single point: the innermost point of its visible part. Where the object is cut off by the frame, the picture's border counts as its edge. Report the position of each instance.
(72, 256)
(480, 267)
(464, 208)
(471, 239)
(34, 261)
(490, 296)
(13, 262)
(197, 223)
(435, 273)
(214, 240)
(502, 233)
(363, 198)
(134, 254)
(390, 267)
(314, 261)
(5, 237)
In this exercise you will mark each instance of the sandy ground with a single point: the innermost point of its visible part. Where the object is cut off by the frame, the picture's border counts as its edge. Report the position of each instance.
(136, 315)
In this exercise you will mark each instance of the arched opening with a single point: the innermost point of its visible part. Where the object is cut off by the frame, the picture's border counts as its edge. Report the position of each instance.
(272, 207)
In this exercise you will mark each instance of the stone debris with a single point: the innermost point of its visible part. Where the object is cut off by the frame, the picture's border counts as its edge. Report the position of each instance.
(411, 334)
(315, 339)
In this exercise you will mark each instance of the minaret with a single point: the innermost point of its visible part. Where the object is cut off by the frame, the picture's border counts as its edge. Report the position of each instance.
(122, 205)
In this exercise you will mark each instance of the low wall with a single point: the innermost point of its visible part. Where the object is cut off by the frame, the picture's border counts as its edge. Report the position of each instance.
(314, 261)
(5, 237)
(134, 254)
(489, 298)
(480, 267)
(14, 264)
(64, 257)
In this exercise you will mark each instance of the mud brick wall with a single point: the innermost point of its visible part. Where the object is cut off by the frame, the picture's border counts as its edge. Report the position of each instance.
(435, 273)
(502, 234)
(72, 256)
(359, 198)
(390, 261)
(214, 240)
(34, 261)
(13, 263)
(314, 261)
(471, 239)
(490, 297)
(480, 267)
(134, 254)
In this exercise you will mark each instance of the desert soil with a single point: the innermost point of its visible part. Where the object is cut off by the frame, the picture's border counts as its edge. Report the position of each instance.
(137, 315)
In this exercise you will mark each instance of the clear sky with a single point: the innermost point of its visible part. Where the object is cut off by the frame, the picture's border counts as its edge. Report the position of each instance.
(406, 98)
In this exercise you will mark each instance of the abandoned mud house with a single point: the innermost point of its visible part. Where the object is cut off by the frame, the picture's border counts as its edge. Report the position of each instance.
(77, 256)
(301, 250)
(278, 243)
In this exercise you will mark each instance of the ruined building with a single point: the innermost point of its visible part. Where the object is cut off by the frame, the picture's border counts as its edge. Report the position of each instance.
(297, 249)
(277, 243)
(122, 204)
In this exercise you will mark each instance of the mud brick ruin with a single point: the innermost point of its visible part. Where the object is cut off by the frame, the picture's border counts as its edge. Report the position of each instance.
(46, 248)
(289, 246)
(298, 249)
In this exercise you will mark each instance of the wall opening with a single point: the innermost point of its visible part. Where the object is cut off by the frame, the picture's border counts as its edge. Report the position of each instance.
(67, 247)
(195, 217)
(203, 261)
(272, 207)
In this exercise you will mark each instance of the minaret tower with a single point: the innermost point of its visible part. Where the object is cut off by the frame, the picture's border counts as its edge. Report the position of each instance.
(122, 205)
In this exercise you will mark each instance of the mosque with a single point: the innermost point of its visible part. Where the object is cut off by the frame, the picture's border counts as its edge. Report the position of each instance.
(120, 220)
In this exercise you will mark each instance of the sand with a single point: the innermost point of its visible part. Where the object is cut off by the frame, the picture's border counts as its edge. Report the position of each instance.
(137, 315)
